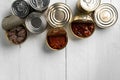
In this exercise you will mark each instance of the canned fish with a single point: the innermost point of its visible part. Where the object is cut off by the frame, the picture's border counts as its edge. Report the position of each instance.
(105, 15)
(15, 29)
(39, 5)
(20, 8)
(82, 26)
(88, 5)
(57, 38)
(58, 15)
(36, 22)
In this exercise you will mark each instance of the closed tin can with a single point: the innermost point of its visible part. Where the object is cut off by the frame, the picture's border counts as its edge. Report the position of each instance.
(20, 8)
(82, 26)
(36, 22)
(15, 29)
(58, 16)
(105, 15)
(39, 5)
(88, 5)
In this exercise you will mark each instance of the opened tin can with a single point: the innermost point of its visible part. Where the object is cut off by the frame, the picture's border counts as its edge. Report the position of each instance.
(82, 26)
(88, 5)
(16, 31)
(105, 15)
(58, 16)
(20, 8)
(36, 22)
(39, 5)
(57, 38)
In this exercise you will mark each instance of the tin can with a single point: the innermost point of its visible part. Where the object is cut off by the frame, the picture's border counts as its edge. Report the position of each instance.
(36, 22)
(82, 26)
(57, 38)
(58, 15)
(88, 5)
(105, 15)
(39, 5)
(15, 29)
(20, 8)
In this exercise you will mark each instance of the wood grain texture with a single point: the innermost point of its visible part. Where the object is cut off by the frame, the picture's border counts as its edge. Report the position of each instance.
(95, 58)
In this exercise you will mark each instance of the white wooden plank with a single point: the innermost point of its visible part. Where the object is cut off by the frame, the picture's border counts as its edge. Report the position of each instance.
(38, 62)
(8, 52)
(95, 58)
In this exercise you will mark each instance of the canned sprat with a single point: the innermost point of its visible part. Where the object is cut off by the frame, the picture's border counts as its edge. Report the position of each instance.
(15, 29)
(20, 8)
(105, 15)
(82, 26)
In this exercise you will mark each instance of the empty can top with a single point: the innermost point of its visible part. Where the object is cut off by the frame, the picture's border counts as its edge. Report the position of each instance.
(58, 14)
(105, 15)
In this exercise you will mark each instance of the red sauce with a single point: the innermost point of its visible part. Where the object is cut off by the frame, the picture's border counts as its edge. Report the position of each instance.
(82, 29)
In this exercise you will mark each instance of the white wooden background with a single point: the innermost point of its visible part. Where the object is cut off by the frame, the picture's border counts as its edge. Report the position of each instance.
(95, 58)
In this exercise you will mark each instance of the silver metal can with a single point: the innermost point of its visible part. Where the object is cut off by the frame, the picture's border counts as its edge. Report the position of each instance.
(20, 8)
(88, 5)
(11, 21)
(36, 22)
(105, 15)
(58, 15)
(39, 5)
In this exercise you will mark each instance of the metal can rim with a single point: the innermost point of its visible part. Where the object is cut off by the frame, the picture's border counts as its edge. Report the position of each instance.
(115, 14)
(49, 14)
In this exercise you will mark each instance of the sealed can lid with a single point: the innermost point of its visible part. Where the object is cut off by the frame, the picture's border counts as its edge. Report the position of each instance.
(39, 5)
(105, 15)
(36, 22)
(89, 5)
(58, 15)
(20, 8)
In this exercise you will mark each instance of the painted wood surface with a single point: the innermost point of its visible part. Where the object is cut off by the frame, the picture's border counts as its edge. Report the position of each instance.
(95, 58)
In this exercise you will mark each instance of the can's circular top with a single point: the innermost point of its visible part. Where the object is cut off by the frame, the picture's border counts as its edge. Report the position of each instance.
(20, 8)
(105, 15)
(36, 22)
(39, 5)
(58, 15)
(89, 5)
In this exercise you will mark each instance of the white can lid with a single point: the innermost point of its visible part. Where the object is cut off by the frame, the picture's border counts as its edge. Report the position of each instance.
(105, 15)
(58, 15)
